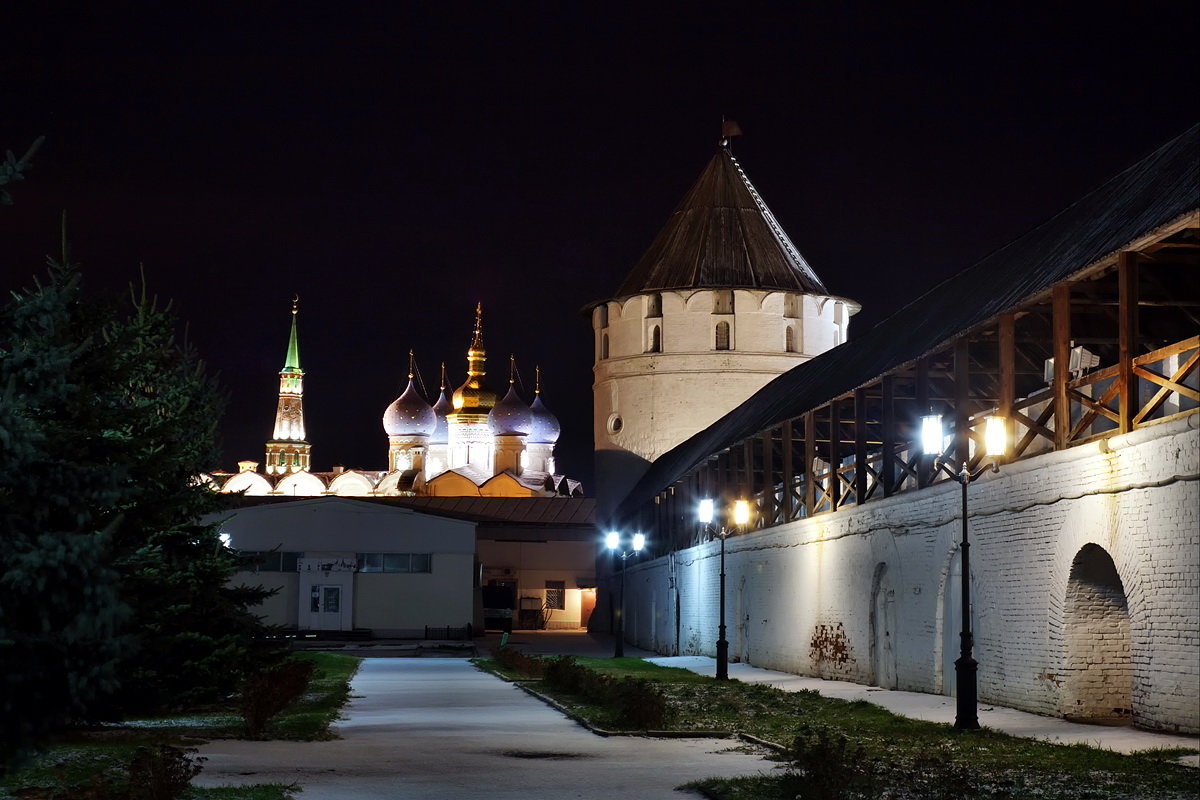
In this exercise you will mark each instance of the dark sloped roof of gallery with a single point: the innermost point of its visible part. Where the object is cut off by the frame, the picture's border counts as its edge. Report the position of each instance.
(1160, 188)
(722, 235)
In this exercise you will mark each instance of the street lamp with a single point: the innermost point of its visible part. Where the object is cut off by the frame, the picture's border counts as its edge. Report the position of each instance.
(741, 515)
(613, 542)
(965, 668)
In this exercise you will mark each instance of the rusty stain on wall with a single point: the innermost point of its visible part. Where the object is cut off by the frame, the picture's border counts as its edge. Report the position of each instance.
(830, 647)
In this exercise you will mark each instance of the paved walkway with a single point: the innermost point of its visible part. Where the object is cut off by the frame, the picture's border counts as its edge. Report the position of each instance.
(940, 708)
(438, 729)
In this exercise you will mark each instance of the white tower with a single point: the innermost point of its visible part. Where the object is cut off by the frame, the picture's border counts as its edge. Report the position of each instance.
(720, 304)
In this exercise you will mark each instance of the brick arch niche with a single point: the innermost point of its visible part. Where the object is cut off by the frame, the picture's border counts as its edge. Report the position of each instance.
(1098, 678)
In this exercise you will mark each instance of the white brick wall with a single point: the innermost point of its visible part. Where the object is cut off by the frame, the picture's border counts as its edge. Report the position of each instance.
(799, 596)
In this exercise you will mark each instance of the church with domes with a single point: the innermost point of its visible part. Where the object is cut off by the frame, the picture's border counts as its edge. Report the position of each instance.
(467, 444)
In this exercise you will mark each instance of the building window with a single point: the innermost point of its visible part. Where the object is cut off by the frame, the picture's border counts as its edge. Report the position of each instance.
(789, 340)
(654, 305)
(556, 594)
(604, 346)
(615, 424)
(602, 316)
(723, 301)
(655, 340)
(722, 335)
(268, 561)
(395, 562)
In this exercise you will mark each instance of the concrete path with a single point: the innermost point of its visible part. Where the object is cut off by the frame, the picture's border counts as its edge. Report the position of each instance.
(940, 708)
(438, 729)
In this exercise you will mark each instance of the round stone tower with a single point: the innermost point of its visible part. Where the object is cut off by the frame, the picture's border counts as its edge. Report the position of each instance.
(720, 304)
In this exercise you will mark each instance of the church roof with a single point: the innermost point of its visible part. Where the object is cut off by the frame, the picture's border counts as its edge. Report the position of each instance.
(1153, 192)
(722, 235)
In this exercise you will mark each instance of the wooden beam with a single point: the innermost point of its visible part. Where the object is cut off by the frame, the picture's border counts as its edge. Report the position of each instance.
(1008, 376)
(889, 435)
(924, 470)
(962, 396)
(1060, 299)
(835, 454)
(789, 497)
(810, 456)
(860, 446)
(1127, 336)
(768, 470)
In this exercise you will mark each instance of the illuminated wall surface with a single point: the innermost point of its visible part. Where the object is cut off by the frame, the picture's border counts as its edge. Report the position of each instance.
(1085, 564)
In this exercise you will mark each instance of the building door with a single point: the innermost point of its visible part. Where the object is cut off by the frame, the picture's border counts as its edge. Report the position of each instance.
(587, 604)
(325, 607)
(883, 630)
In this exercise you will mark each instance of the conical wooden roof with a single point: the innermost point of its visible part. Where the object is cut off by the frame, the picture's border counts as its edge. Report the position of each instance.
(722, 235)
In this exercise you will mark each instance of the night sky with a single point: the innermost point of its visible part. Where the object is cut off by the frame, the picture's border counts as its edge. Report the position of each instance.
(396, 166)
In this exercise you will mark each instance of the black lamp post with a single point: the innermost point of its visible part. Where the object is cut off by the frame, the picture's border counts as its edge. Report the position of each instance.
(616, 545)
(966, 668)
(741, 515)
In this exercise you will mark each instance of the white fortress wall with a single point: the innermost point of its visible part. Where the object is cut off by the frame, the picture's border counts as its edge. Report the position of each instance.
(859, 594)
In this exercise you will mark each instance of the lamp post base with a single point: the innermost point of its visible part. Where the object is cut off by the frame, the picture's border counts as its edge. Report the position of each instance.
(966, 716)
(722, 660)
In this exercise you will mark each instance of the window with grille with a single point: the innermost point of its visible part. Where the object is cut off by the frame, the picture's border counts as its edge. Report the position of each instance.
(556, 594)
(789, 340)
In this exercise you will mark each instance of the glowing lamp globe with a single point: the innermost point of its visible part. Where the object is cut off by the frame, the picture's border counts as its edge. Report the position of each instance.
(613, 540)
(995, 436)
(639, 541)
(705, 512)
(931, 434)
(741, 512)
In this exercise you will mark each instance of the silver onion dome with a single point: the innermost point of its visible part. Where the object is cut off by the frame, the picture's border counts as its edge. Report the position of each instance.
(510, 416)
(546, 428)
(409, 415)
(441, 432)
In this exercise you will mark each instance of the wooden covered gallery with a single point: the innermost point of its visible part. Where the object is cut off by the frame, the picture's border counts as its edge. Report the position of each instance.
(1109, 287)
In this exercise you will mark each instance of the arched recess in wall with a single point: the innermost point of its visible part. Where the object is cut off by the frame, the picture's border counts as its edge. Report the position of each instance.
(883, 629)
(655, 340)
(951, 619)
(1097, 676)
(789, 340)
(722, 336)
(604, 346)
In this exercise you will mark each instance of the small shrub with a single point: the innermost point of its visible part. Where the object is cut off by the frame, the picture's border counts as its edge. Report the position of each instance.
(515, 661)
(161, 772)
(829, 766)
(564, 673)
(639, 704)
(271, 691)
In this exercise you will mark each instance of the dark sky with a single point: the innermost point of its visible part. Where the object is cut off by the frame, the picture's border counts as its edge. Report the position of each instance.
(394, 166)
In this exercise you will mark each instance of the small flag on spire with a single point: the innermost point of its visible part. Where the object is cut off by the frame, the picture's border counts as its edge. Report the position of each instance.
(729, 128)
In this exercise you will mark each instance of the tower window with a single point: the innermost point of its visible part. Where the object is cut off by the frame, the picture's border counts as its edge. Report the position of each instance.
(654, 305)
(655, 340)
(602, 316)
(723, 301)
(789, 340)
(604, 346)
(722, 335)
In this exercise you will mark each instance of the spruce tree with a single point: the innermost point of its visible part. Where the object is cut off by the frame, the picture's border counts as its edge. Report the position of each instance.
(113, 596)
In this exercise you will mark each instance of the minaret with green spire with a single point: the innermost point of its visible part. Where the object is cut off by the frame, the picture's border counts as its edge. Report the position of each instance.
(288, 451)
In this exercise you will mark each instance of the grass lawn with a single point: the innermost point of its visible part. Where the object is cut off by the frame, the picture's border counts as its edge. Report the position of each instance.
(78, 755)
(885, 754)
